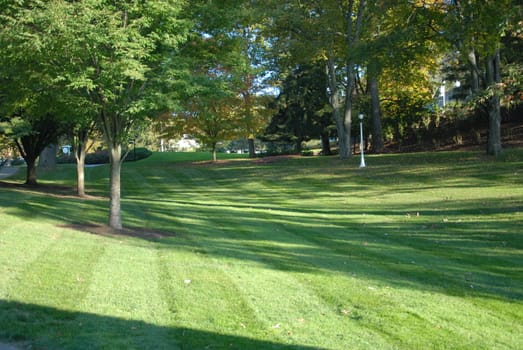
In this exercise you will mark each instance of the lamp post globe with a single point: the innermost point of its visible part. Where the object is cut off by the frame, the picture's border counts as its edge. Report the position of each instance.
(362, 160)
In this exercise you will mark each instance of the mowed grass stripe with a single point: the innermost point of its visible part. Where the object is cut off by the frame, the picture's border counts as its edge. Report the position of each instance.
(286, 305)
(309, 252)
(393, 265)
(18, 236)
(438, 322)
(125, 285)
(281, 307)
(296, 259)
(412, 254)
(60, 274)
(269, 305)
(203, 297)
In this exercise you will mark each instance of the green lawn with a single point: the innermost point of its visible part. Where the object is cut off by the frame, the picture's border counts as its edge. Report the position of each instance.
(416, 251)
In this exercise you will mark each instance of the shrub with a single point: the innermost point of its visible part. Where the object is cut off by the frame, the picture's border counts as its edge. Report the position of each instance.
(102, 156)
(138, 153)
(307, 152)
(18, 161)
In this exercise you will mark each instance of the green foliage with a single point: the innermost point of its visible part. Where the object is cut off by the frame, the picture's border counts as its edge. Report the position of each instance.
(102, 156)
(304, 110)
(36, 102)
(512, 85)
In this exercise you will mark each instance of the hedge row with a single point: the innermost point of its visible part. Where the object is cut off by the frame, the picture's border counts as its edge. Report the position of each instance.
(102, 157)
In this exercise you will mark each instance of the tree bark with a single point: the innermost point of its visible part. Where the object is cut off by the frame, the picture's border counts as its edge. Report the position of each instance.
(353, 29)
(214, 158)
(334, 98)
(29, 150)
(252, 150)
(325, 144)
(80, 175)
(493, 76)
(299, 147)
(115, 215)
(31, 171)
(347, 126)
(474, 69)
(377, 131)
(80, 161)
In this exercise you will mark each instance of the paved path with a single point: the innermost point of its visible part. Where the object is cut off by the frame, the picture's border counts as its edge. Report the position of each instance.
(7, 171)
(4, 346)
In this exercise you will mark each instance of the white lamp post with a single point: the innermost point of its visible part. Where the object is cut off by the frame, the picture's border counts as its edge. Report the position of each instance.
(442, 91)
(362, 162)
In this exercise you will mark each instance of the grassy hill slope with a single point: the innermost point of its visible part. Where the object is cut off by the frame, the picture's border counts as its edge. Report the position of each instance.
(416, 251)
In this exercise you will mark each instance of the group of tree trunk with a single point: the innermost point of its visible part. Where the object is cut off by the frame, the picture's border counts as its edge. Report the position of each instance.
(383, 41)
(111, 67)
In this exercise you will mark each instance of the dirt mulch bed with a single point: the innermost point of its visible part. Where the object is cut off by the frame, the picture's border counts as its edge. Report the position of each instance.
(56, 191)
(107, 231)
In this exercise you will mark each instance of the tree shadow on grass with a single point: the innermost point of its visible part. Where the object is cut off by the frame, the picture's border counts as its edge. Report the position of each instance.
(424, 253)
(57, 191)
(421, 253)
(147, 234)
(450, 257)
(29, 326)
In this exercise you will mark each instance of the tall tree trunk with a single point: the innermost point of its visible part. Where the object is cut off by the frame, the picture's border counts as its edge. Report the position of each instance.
(375, 113)
(347, 123)
(30, 154)
(115, 215)
(353, 29)
(113, 129)
(31, 171)
(214, 158)
(80, 175)
(335, 101)
(347, 115)
(80, 161)
(299, 142)
(474, 71)
(252, 150)
(325, 144)
(493, 76)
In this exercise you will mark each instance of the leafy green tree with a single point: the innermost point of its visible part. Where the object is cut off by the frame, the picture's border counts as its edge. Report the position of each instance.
(123, 57)
(210, 119)
(32, 90)
(476, 29)
(304, 110)
(397, 38)
(398, 47)
(228, 38)
(330, 31)
(31, 134)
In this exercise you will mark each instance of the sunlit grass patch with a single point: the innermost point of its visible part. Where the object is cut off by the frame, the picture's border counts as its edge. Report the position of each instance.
(414, 251)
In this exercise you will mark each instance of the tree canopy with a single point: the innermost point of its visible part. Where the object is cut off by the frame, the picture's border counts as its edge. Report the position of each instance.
(213, 67)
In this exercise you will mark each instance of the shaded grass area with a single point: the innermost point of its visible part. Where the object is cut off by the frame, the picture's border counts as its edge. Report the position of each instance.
(414, 251)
